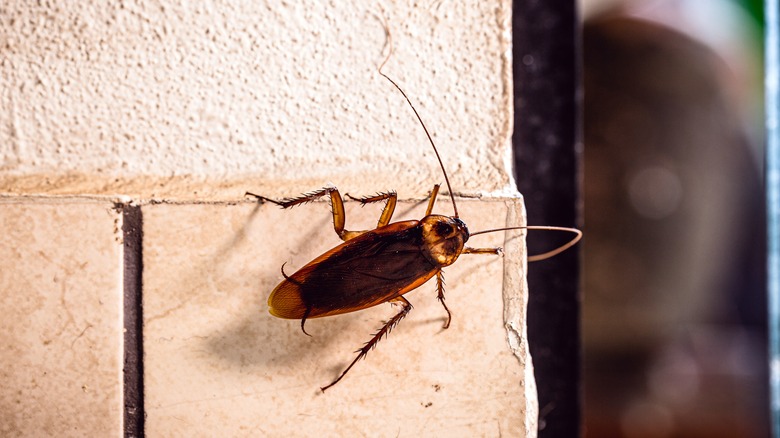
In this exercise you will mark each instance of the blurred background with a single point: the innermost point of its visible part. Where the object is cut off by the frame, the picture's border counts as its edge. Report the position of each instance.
(674, 306)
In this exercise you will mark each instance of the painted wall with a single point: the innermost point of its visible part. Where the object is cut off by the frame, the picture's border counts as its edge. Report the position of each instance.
(210, 99)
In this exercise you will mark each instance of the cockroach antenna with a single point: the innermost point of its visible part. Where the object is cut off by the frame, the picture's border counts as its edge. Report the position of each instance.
(533, 258)
(428, 134)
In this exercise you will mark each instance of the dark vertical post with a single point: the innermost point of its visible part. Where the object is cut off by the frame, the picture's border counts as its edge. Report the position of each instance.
(547, 162)
(132, 222)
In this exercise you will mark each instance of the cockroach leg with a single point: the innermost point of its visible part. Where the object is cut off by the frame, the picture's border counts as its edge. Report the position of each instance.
(496, 251)
(337, 205)
(440, 297)
(286, 277)
(387, 212)
(262, 199)
(432, 200)
(389, 325)
(292, 202)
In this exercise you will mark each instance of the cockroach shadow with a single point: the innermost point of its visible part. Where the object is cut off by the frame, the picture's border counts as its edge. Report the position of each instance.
(253, 339)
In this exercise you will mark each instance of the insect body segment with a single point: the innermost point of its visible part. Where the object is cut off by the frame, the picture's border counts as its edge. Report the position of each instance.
(443, 238)
(367, 270)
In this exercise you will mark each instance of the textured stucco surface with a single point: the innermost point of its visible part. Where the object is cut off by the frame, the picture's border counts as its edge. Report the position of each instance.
(207, 100)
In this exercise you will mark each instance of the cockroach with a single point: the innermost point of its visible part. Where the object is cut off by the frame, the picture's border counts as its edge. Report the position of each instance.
(381, 265)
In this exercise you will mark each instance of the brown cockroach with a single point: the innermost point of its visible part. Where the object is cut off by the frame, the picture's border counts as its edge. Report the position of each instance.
(380, 265)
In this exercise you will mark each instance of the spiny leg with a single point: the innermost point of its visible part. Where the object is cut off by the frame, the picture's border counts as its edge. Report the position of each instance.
(440, 297)
(440, 275)
(337, 206)
(291, 202)
(392, 322)
(387, 212)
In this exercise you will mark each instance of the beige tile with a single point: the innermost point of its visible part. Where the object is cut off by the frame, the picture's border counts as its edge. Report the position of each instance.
(216, 362)
(61, 330)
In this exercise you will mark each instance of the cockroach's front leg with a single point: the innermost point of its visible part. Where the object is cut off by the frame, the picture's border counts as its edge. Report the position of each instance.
(440, 297)
(496, 251)
(440, 276)
(336, 202)
(406, 306)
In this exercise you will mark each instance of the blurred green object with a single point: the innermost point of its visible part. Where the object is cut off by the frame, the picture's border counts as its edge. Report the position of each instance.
(755, 8)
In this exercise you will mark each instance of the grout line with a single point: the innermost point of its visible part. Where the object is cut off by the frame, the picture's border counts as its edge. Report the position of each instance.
(126, 201)
(132, 231)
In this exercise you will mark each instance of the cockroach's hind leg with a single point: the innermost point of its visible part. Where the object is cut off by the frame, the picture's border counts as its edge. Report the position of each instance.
(440, 297)
(389, 325)
(263, 199)
(303, 321)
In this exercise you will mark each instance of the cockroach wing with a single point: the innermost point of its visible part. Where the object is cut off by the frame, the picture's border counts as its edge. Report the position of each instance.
(367, 270)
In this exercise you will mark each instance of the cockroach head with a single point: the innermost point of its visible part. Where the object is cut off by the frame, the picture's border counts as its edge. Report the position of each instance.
(443, 238)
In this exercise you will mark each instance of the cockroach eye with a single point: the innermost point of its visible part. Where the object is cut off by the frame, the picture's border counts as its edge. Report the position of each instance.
(462, 228)
(443, 229)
